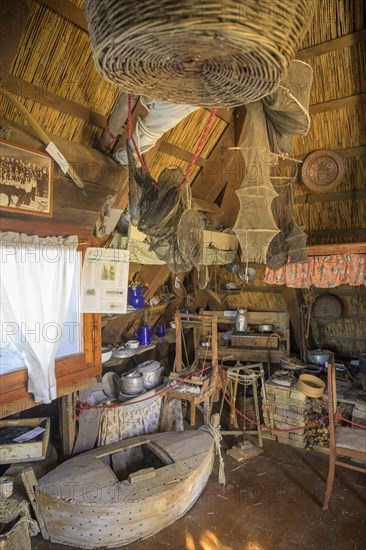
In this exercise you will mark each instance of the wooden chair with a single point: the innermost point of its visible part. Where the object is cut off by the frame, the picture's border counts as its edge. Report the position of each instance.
(343, 441)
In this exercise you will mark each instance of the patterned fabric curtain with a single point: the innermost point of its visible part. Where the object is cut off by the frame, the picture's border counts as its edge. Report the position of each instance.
(321, 272)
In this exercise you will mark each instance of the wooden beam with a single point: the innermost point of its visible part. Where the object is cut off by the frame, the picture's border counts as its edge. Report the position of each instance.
(358, 151)
(227, 116)
(332, 45)
(241, 124)
(329, 249)
(68, 10)
(360, 232)
(179, 153)
(51, 100)
(294, 299)
(213, 176)
(67, 424)
(339, 103)
(153, 276)
(357, 194)
(13, 17)
(206, 206)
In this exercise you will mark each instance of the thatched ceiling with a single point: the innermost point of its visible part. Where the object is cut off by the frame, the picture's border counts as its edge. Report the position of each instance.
(54, 76)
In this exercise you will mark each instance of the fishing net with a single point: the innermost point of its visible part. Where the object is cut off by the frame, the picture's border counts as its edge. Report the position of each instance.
(297, 250)
(255, 226)
(287, 109)
(190, 237)
(208, 54)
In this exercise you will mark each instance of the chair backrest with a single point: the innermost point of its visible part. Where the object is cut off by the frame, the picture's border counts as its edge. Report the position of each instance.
(332, 398)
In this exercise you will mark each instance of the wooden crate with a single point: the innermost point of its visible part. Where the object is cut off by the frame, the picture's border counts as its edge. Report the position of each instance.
(254, 341)
(11, 453)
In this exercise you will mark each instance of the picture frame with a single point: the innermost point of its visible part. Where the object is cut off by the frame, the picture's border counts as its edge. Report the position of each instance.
(26, 180)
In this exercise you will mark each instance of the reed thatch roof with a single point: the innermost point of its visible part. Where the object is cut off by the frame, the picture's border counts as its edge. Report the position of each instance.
(50, 68)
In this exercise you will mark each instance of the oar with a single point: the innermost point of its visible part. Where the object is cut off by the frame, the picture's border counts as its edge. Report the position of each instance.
(52, 149)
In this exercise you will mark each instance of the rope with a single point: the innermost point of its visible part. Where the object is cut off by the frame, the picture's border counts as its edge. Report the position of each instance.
(216, 434)
(350, 421)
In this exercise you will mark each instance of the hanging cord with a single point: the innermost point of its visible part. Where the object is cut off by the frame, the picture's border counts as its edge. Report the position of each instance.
(215, 432)
(198, 148)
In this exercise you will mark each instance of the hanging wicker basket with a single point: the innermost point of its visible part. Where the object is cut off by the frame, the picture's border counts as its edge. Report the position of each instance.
(207, 54)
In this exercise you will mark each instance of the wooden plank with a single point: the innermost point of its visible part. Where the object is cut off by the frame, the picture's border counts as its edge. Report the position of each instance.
(241, 124)
(21, 400)
(30, 483)
(13, 17)
(179, 153)
(293, 298)
(67, 421)
(356, 232)
(51, 100)
(43, 229)
(339, 103)
(68, 10)
(356, 194)
(91, 164)
(153, 276)
(206, 206)
(358, 151)
(213, 176)
(227, 116)
(328, 249)
(332, 45)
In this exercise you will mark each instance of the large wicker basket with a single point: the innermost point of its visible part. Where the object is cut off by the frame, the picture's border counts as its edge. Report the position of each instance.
(201, 53)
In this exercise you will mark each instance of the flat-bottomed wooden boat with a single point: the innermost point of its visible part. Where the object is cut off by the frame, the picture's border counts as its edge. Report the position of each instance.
(125, 491)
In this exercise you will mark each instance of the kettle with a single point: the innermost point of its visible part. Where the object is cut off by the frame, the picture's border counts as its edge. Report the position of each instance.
(145, 335)
(160, 329)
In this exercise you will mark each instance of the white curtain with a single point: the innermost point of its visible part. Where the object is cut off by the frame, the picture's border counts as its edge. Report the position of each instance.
(37, 276)
(161, 117)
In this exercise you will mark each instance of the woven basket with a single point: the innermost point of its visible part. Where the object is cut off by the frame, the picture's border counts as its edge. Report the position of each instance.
(16, 523)
(208, 54)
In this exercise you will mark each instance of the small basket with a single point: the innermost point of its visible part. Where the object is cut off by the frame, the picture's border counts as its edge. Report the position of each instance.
(310, 385)
(16, 523)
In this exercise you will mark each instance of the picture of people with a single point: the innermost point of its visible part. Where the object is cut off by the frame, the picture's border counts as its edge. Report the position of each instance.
(108, 271)
(25, 180)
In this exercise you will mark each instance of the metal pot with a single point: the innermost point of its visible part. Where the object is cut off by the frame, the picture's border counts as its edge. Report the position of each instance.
(318, 356)
(132, 383)
(265, 328)
(152, 373)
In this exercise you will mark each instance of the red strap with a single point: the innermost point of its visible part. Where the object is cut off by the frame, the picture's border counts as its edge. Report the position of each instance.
(198, 148)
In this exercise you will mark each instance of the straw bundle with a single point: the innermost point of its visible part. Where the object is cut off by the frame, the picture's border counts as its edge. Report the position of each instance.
(336, 129)
(330, 215)
(214, 54)
(341, 16)
(57, 56)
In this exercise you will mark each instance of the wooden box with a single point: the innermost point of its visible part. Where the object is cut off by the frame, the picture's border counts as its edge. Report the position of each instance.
(11, 453)
(254, 341)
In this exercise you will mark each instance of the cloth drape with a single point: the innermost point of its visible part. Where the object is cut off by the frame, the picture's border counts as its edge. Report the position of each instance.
(37, 276)
(161, 117)
(321, 272)
(119, 423)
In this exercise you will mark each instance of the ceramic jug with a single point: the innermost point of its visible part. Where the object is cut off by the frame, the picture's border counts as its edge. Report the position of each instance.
(136, 298)
(145, 335)
(160, 329)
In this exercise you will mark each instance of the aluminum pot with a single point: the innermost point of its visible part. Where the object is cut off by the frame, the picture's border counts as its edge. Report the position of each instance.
(318, 356)
(132, 383)
(152, 373)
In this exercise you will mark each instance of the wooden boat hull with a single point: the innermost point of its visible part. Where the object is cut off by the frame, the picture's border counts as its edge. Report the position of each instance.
(84, 504)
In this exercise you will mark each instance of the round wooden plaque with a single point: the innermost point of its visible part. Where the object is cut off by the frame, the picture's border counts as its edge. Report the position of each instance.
(323, 170)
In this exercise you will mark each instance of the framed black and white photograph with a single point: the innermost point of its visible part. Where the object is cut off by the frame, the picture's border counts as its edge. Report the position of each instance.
(26, 180)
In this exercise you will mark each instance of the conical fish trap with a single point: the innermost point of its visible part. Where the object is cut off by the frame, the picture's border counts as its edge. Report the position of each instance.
(208, 54)
(190, 237)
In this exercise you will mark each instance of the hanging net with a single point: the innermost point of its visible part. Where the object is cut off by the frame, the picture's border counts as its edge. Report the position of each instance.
(297, 250)
(287, 109)
(255, 226)
(207, 54)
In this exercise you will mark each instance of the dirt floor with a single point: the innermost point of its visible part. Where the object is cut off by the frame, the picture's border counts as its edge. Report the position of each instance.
(270, 502)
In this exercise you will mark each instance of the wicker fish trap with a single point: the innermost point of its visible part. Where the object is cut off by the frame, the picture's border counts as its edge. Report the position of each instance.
(202, 53)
